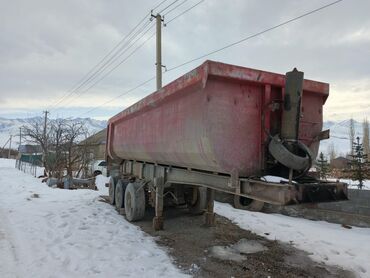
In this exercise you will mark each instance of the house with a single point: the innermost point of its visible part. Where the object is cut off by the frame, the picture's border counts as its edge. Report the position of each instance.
(30, 154)
(95, 145)
(339, 163)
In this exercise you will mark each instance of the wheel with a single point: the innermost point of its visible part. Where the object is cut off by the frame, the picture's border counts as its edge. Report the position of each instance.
(97, 173)
(119, 194)
(247, 203)
(134, 201)
(197, 203)
(112, 189)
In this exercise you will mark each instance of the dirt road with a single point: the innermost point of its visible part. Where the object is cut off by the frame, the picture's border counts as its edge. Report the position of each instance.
(211, 252)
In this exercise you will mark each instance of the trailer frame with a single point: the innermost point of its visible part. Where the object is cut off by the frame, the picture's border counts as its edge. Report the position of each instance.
(160, 180)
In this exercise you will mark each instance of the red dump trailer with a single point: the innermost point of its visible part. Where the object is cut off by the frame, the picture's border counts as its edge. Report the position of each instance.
(219, 127)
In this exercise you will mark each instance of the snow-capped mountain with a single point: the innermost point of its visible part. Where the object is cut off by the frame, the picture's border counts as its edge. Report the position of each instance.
(339, 132)
(11, 127)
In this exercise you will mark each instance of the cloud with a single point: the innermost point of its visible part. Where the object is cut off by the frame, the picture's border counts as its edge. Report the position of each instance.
(48, 46)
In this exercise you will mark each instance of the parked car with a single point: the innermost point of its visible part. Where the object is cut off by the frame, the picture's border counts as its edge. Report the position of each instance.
(98, 167)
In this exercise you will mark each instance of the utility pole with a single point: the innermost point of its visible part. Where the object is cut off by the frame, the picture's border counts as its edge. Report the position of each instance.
(20, 136)
(158, 19)
(10, 145)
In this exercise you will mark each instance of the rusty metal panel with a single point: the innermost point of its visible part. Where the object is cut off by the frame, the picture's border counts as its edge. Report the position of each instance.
(210, 119)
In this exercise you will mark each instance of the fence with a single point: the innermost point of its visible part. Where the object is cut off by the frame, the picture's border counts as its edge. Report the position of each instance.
(26, 167)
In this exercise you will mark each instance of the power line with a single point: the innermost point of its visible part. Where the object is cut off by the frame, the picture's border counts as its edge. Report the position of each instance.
(338, 137)
(145, 82)
(159, 5)
(169, 5)
(222, 48)
(184, 12)
(73, 88)
(111, 60)
(124, 48)
(116, 66)
(256, 34)
(116, 97)
(174, 8)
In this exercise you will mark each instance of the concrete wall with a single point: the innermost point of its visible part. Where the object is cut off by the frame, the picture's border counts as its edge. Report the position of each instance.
(358, 203)
(354, 212)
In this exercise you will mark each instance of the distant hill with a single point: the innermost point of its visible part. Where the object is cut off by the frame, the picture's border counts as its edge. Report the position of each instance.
(11, 127)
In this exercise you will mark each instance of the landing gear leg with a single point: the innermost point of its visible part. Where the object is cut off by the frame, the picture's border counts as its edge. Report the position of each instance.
(210, 215)
(158, 219)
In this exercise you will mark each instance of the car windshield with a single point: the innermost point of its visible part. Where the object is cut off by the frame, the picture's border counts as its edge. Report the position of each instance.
(103, 163)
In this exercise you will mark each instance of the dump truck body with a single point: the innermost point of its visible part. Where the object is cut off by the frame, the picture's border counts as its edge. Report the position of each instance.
(220, 127)
(211, 119)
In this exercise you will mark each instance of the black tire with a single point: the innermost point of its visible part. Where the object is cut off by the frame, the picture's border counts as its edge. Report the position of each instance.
(97, 173)
(134, 201)
(197, 204)
(112, 189)
(247, 203)
(119, 194)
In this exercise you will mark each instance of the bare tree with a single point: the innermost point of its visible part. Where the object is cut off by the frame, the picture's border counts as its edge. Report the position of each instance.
(83, 149)
(35, 134)
(55, 158)
(73, 154)
(365, 139)
(60, 150)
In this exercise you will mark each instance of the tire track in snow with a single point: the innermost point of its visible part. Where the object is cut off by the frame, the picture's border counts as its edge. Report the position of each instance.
(8, 263)
(68, 233)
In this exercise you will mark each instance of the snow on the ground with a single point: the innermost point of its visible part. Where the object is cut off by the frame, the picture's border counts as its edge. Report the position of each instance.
(325, 242)
(351, 184)
(275, 179)
(46, 232)
(32, 170)
(100, 182)
(354, 184)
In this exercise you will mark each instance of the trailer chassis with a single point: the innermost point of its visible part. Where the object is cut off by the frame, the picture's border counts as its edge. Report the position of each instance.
(160, 180)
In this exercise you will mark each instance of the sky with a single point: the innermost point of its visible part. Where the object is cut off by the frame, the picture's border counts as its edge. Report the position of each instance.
(48, 46)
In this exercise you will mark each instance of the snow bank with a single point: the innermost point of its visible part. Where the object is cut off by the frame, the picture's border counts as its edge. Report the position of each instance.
(9, 163)
(325, 242)
(354, 184)
(100, 182)
(46, 232)
(275, 179)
